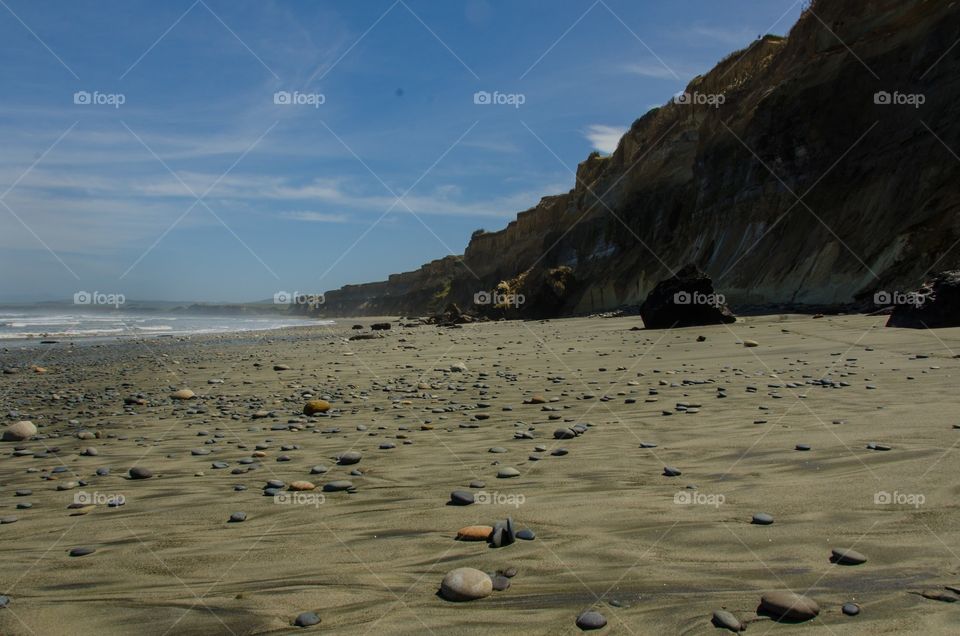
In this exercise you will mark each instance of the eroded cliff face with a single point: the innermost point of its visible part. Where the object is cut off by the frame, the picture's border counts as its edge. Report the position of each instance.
(798, 189)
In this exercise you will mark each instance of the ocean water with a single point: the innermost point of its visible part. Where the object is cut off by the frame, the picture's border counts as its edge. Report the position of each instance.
(20, 325)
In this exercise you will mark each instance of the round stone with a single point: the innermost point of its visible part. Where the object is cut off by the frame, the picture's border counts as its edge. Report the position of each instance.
(944, 596)
(850, 609)
(847, 557)
(788, 605)
(302, 485)
(466, 584)
(725, 620)
(138, 472)
(591, 620)
(762, 519)
(500, 582)
(183, 394)
(349, 458)
(82, 551)
(339, 485)
(507, 472)
(316, 406)
(20, 431)
(526, 534)
(461, 498)
(670, 471)
(306, 619)
(237, 517)
(802, 447)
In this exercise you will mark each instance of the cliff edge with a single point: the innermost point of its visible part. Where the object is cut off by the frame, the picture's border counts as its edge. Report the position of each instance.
(814, 169)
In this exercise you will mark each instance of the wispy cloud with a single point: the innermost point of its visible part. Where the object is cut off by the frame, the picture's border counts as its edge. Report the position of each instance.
(734, 37)
(685, 70)
(605, 138)
(315, 217)
(653, 70)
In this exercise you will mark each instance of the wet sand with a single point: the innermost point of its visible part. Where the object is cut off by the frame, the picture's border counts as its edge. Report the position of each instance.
(613, 533)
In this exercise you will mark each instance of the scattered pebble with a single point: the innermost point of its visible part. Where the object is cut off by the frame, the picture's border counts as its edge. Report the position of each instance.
(591, 620)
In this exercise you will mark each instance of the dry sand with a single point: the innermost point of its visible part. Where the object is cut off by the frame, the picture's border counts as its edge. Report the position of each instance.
(612, 532)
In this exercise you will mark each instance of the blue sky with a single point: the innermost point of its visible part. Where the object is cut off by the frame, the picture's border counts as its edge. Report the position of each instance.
(199, 186)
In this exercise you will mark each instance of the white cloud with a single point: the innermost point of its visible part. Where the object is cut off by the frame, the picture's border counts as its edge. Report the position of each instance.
(655, 70)
(315, 217)
(737, 37)
(605, 138)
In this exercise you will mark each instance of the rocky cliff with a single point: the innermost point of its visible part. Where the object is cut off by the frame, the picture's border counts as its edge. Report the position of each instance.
(809, 170)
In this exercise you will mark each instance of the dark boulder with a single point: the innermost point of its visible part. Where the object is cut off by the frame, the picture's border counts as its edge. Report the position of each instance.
(685, 300)
(452, 315)
(380, 326)
(936, 304)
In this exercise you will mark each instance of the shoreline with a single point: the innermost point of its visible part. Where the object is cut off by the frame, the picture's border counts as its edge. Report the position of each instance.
(74, 339)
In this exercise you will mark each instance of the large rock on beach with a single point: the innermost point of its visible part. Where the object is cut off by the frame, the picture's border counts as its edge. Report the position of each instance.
(935, 305)
(685, 300)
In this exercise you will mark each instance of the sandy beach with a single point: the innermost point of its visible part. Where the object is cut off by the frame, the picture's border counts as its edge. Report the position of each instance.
(613, 533)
